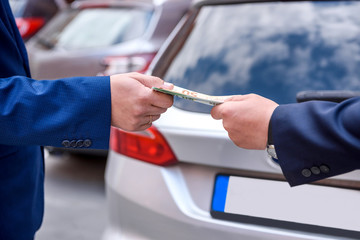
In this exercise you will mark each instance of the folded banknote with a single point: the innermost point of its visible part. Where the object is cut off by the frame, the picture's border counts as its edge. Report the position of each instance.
(194, 96)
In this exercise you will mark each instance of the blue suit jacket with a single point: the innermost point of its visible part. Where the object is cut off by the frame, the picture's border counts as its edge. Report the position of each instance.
(73, 112)
(315, 136)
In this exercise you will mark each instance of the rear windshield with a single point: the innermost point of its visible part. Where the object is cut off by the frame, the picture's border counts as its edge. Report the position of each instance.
(272, 49)
(95, 27)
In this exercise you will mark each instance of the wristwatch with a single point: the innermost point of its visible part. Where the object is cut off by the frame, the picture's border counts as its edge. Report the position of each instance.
(270, 148)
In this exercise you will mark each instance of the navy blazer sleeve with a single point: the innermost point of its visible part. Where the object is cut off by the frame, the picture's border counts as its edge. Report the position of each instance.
(315, 136)
(49, 112)
(73, 111)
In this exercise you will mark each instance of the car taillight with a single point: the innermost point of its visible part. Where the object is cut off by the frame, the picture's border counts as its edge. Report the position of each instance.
(149, 146)
(132, 63)
(29, 26)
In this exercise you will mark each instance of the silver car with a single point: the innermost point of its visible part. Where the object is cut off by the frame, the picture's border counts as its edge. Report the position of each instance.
(184, 179)
(84, 39)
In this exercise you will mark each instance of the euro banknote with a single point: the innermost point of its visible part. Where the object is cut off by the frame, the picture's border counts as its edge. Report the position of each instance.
(192, 95)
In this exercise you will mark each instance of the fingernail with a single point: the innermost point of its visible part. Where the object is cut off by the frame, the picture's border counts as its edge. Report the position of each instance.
(168, 85)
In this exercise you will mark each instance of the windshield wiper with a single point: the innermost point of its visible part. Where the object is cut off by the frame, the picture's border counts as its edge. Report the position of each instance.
(326, 95)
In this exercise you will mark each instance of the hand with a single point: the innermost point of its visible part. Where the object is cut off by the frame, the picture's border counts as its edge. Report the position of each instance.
(134, 105)
(246, 118)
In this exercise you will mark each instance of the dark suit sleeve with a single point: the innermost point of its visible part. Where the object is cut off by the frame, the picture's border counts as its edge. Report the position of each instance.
(315, 136)
(49, 112)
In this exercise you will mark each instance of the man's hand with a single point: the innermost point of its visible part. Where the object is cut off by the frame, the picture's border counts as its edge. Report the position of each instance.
(134, 105)
(246, 118)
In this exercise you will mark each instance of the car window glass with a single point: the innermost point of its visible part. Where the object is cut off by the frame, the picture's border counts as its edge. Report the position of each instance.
(17, 7)
(91, 28)
(272, 49)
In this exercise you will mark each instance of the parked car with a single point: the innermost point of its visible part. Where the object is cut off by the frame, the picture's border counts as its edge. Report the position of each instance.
(83, 40)
(102, 37)
(32, 15)
(184, 179)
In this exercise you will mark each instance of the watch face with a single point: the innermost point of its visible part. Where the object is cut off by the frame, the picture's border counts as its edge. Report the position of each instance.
(271, 151)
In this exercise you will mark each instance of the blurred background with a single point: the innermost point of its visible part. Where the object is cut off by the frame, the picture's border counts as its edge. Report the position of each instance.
(67, 38)
(160, 183)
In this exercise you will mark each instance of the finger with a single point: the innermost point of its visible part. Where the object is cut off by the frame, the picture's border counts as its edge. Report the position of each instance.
(153, 110)
(167, 85)
(216, 112)
(148, 81)
(146, 120)
(234, 139)
(149, 119)
(161, 100)
(235, 98)
(155, 117)
(143, 127)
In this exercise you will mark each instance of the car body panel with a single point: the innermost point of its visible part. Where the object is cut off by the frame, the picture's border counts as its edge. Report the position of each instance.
(174, 202)
(184, 130)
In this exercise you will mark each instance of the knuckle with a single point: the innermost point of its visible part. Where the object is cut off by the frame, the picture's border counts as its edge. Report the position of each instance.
(156, 117)
(226, 125)
(134, 73)
(171, 101)
(158, 79)
(134, 123)
(168, 103)
(137, 112)
(143, 99)
(225, 112)
(253, 96)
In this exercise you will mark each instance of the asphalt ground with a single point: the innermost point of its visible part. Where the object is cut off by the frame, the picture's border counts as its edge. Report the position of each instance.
(74, 197)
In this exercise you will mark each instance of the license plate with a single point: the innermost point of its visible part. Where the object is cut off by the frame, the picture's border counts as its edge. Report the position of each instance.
(309, 208)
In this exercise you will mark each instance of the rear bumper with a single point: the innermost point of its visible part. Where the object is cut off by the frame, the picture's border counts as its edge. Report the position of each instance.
(150, 202)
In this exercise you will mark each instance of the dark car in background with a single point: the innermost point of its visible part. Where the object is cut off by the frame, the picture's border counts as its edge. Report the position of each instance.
(91, 35)
(32, 15)
(184, 179)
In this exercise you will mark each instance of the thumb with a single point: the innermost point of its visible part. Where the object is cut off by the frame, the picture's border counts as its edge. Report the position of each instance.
(148, 81)
(235, 98)
(167, 85)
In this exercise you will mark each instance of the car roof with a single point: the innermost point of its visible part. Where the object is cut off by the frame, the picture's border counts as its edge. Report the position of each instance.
(199, 3)
(79, 4)
(121, 3)
(210, 2)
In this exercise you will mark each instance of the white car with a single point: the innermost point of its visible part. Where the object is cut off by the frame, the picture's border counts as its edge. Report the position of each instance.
(184, 179)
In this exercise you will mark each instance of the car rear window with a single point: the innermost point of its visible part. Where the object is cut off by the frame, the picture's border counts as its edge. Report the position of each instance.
(272, 49)
(95, 27)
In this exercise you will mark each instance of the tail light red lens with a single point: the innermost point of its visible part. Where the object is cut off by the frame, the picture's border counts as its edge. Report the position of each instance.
(149, 146)
(132, 63)
(29, 26)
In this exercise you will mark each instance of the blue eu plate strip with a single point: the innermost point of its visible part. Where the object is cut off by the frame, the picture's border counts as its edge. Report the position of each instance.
(220, 191)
